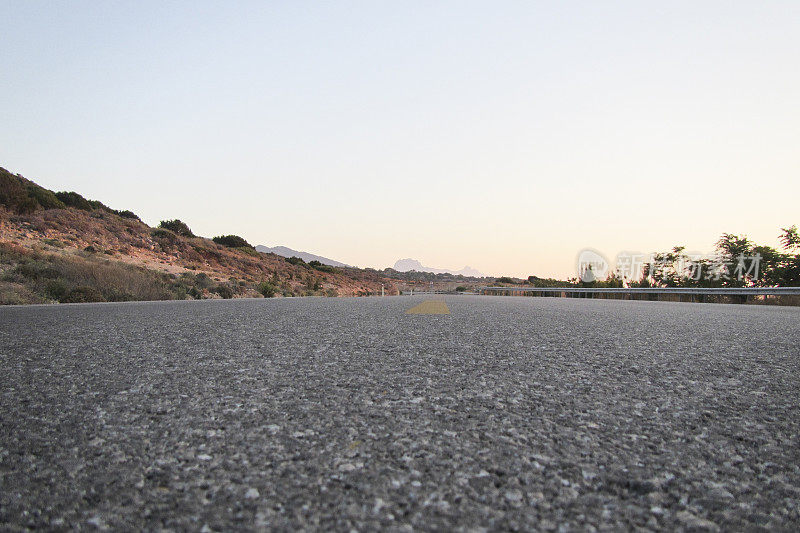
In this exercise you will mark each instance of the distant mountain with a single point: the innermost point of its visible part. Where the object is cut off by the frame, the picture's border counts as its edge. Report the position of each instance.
(283, 251)
(405, 265)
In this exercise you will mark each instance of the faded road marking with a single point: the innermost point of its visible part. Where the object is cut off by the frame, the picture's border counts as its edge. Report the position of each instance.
(431, 307)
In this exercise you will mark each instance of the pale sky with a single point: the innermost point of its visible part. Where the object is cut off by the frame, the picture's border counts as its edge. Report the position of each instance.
(502, 135)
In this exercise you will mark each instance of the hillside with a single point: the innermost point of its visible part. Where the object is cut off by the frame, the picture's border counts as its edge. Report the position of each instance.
(61, 247)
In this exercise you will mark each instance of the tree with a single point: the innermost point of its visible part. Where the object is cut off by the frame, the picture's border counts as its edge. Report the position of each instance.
(788, 271)
(790, 239)
(736, 253)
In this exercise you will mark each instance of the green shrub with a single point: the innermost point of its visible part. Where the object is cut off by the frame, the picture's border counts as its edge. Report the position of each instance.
(73, 199)
(46, 199)
(224, 291)
(164, 235)
(127, 214)
(195, 293)
(12, 191)
(179, 292)
(203, 281)
(316, 265)
(249, 251)
(23, 196)
(17, 295)
(294, 260)
(97, 204)
(82, 295)
(177, 227)
(54, 242)
(27, 205)
(36, 271)
(231, 241)
(267, 289)
(56, 289)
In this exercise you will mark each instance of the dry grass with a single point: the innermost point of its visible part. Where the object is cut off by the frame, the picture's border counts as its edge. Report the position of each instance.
(74, 255)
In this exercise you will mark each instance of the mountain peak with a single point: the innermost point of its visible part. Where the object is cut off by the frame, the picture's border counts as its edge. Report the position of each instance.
(284, 251)
(408, 264)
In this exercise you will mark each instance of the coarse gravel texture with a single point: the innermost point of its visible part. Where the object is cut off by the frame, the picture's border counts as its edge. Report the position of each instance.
(339, 414)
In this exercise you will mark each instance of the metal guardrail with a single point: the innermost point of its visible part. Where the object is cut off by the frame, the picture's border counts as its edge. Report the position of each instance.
(415, 293)
(741, 291)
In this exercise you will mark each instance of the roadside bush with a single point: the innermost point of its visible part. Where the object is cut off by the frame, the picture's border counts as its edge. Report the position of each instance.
(56, 289)
(203, 281)
(267, 289)
(179, 292)
(231, 241)
(224, 291)
(83, 295)
(83, 278)
(177, 226)
(36, 271)
(195, 293)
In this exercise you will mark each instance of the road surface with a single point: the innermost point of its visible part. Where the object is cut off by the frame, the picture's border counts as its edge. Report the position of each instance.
(506, 413)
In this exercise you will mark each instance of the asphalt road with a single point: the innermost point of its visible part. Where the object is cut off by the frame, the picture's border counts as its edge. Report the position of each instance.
(507, 413)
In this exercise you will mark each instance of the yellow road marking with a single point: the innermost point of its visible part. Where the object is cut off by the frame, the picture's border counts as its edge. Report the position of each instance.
(431, 307)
